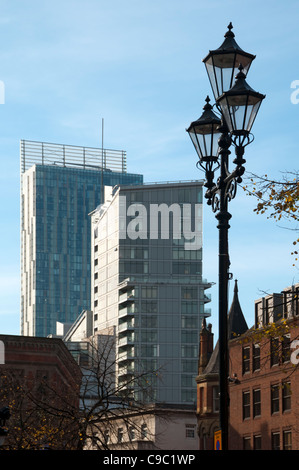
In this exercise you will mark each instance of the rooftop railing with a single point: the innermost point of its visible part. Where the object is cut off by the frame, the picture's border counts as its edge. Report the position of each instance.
(44, 153)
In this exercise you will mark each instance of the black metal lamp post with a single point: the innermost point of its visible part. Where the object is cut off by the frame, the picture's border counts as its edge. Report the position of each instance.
(212, 136)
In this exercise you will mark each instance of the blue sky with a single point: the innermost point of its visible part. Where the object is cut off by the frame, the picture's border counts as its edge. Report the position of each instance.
(68, 64)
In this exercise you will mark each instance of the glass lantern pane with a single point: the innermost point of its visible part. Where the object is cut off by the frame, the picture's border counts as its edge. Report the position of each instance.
(215, 147)
(211, 75)
(251, 115)
(221, 70)
(205, 143)
(226, 114)
(245, 61)
(208, 141)
(197, 143)
(237, 105)
(237, 117)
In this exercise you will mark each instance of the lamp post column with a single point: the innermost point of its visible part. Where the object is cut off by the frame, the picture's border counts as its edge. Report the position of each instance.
(223, 217)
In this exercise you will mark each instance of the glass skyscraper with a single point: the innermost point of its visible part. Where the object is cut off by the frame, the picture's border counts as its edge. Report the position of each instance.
(60, 186)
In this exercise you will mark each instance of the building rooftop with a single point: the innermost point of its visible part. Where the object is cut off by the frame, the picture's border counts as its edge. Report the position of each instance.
(45, 153)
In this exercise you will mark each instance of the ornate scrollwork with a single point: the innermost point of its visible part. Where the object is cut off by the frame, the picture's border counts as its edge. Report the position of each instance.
(215, 202)
(231, 189)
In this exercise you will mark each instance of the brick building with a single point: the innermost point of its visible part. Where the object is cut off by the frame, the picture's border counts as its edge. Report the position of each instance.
(35, 371)
(208, 370)
(264, 379)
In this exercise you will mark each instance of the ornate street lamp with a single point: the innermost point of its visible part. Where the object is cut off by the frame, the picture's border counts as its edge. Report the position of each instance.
(240, 105)
(212, 136)
(222, 63)
(204, 133)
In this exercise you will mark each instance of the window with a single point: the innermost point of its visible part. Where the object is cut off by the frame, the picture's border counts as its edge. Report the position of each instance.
(274, 349)
(189, 350)
(189, 293)
(201, 398)
(274, 399)
(143, 431)
(187, 380)
(149, 350)
(149, 292)
(257, 442)
(216, 399)
(120, 434)
(246, 443)
(132, 434)
(148, 336)
(256, 403)
(287, 440)
(149, 321)
(286, 348)
(186, 268)
(286, 396)
(246, 359)
(189, 307)
(256, 357)
(246, 405)
(190, 336)
(149, 306)
(106, 437)
(275, 438)
(189, 321)
(190, 431)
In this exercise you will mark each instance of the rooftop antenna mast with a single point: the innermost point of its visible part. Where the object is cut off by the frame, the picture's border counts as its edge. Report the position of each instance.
(102, 175)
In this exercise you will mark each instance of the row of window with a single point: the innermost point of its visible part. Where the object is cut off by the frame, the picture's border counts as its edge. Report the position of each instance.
(278, 441)
(280, 400)
(151, 350)
(279, 353)
(151, 336)
(151, 321)
(169, 194)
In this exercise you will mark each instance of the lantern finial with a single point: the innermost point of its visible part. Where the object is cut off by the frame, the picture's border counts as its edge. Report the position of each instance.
(207, 106)
(229, 33)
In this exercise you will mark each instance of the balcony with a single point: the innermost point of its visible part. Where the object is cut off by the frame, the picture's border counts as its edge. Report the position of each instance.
(127, 355)
(128, 296)
(126, 311)
(126, 341)
(126, 326)
(126, 370)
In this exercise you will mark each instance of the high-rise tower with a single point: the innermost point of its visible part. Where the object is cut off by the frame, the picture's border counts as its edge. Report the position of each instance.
(60, 186)
(147, 283)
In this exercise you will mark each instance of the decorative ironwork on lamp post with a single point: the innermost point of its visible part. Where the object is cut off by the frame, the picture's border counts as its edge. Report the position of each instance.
(213, 134)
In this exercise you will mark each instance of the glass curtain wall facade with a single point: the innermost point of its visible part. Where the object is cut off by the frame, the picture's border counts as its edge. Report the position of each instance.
(56, 202)
(151, 287)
